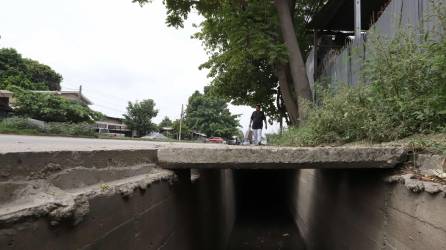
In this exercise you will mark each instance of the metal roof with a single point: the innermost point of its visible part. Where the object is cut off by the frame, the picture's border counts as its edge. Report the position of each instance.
(338, 15)
(5, 93)
(63, 92)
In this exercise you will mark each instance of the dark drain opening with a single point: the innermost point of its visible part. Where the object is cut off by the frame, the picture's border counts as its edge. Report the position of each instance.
(263, 217)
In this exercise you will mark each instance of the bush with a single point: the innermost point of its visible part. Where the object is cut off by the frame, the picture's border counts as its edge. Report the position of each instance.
(18, 125)
(70, 129)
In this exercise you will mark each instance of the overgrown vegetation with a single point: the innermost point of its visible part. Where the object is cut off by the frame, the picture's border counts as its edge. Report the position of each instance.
(82, 129)
(403, 93)
(434, 143)
(23, 126)
(16, 125)
(51, 108)
(24, 77)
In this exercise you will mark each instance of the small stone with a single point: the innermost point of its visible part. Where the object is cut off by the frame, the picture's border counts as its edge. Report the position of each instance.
(393, 179)
(126, 192)
(415, 186)
(4, 174)
(431, 187)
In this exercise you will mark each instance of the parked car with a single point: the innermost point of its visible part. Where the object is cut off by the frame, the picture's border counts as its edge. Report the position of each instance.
(216, 140)
(234, 141)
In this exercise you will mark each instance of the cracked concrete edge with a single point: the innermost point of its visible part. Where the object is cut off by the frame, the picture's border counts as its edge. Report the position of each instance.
(416, 186)
(278, 157)
(426, 164)
(62, 205)
(39, 165)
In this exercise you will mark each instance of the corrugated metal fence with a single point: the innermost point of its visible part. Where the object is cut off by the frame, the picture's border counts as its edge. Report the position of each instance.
(344, 66)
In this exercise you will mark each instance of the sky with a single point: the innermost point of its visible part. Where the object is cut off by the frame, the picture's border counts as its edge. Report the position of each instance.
(117, 51)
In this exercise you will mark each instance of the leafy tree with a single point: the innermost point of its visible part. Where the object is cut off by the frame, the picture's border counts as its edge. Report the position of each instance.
(210, 115)
(26, 73)
(166, 122)
(253, 47)
(42, 74)
(186, 132)
(51, 108)
(139, 116)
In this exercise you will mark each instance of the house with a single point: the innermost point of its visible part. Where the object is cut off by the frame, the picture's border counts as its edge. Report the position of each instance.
(198, 136)
(167, 131)
(7, 97)
(112, 125)
(5, 108)
(69, 95)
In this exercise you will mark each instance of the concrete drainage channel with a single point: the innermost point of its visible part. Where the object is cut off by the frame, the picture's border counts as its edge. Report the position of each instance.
(320, 198)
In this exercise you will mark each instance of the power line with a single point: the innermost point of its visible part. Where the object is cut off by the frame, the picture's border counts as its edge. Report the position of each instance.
(108, 96)
(110, 108)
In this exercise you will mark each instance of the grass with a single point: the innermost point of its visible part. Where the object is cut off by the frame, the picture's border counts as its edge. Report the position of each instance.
(431, 143)
(18, 126)
(16, 131)
(22, 126)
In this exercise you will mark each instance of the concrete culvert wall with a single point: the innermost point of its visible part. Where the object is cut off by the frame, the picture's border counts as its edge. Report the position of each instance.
(338, 209)
(126, 199)
(108, 204)
(367, 209)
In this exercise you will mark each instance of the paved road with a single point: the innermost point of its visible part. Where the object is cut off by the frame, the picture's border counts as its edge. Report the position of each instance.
(25, 143)
(17, 143)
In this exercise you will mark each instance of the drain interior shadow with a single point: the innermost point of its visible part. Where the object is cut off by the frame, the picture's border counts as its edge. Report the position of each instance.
(263, 218)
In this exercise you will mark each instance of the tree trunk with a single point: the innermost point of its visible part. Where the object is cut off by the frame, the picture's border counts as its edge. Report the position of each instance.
(297, 65)
(290, 103)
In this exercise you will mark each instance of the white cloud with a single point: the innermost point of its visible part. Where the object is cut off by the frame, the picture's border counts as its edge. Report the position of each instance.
(116, 50)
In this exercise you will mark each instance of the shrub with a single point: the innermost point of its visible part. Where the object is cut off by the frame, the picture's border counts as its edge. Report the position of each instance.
(18, 125)
(19, 122)
(71, 129)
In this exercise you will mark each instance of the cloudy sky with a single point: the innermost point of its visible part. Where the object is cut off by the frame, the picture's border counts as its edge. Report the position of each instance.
(115, 49)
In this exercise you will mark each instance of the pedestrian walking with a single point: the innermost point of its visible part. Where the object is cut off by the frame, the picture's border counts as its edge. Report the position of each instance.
(256, 123)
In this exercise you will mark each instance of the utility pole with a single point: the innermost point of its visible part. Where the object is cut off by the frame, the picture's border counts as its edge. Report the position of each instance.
(357, 19)
(181, 123)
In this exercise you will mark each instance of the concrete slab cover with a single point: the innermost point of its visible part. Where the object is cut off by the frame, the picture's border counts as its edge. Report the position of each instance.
(200, 155)
(278, 157)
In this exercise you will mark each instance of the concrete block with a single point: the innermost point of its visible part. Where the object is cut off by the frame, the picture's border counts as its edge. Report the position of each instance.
(203, 156)
(428, 163)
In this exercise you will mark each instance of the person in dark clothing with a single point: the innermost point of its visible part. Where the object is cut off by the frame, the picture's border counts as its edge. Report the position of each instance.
(257, 119)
